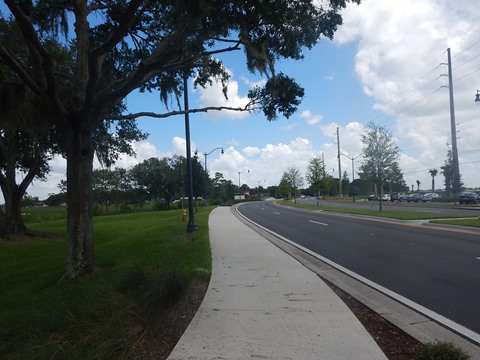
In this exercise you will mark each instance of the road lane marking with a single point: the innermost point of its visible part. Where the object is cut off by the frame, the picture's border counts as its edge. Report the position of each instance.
(424, 225)
(317, 222)
(277, 213)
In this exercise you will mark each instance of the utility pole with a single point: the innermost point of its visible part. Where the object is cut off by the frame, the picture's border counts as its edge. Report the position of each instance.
(456, 167)
(191, 226)
(339, 165)
(323, 164)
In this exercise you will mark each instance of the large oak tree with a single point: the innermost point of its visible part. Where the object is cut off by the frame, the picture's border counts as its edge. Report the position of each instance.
(121, 46)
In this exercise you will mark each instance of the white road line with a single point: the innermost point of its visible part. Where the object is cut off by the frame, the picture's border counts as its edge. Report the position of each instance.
(276, 213)
(316, 222)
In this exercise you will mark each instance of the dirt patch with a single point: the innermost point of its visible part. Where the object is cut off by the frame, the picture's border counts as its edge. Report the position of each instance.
(394, 342)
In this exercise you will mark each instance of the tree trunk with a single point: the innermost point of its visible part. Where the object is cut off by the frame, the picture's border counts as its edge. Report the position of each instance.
(3, 224)
(13, 213)
(12, 220)
(80, 246)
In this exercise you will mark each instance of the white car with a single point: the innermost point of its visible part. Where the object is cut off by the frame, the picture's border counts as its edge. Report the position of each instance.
(386, 197)
(429, 196)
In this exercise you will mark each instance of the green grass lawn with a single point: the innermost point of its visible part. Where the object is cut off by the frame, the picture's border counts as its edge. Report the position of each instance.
(136, 254)
(472, 222)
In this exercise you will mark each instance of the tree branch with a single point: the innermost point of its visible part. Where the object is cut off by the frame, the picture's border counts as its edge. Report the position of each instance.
(12, 62)
(249, 108)
(129, 18)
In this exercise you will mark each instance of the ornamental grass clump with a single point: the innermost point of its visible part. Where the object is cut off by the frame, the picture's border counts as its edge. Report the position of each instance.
(441, 351)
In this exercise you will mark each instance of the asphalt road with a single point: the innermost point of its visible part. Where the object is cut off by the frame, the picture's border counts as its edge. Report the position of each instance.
(436, 268)
(466, 210)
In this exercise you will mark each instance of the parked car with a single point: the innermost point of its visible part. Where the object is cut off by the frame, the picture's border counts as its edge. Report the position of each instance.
(371, 197)
(398, 196)
(385, 197)
(416, 197)
(469, 198)
(429, 197)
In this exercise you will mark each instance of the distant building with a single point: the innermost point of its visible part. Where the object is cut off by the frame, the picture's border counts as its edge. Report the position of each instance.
(241, 196)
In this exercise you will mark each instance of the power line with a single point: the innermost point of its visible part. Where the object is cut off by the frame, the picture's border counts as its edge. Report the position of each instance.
(466, 62)
(473, 72)
(468, 47)
(402, 91)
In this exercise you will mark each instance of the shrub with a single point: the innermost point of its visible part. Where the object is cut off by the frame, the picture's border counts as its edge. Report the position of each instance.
(441, 351)
(152, 295)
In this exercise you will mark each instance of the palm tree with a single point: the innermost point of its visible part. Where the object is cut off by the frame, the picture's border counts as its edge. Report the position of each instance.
(418, 185)
(434, 173)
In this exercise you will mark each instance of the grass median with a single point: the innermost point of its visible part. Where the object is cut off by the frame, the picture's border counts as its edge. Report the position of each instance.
(433, 216)
(146, 262)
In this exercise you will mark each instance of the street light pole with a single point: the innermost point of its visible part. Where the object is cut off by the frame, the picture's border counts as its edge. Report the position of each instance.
(239, 172)
(206, 154)
(191, 226)
(353, 171)
(206, 173)
(259, 181)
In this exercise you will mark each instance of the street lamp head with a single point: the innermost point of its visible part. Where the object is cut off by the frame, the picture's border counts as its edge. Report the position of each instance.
(477, 98)
(221, 152)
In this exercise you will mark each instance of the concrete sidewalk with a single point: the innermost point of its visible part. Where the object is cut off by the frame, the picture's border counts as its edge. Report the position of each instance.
(263, 304)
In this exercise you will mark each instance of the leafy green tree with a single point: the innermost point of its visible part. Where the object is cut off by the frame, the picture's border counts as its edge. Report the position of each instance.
(200, 179)
(28, 140)
(396, 181)
(151, 46)
(284, 188)
(315, 174)
(380, 154)
(453, 182)
(29, 200)
(155, 176)
(56, 199)
(24, 147)
(294, 178)
(345, 183)
(222, 189)
(112, 187)
(433, 173)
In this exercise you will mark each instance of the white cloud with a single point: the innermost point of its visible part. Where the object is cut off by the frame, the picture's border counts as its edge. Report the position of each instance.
(213, 96)
(180, 146)
(330, 77)
(251, 150)
(311, 118)
(289, 127)
(266, 165)
(252, 84)
(143, 149)
(400, 48)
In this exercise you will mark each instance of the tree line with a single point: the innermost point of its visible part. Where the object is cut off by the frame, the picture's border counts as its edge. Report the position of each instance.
(158, 181)
(379, 172)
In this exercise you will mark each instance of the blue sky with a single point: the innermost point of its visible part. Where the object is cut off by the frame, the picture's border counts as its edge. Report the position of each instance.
(384, 65)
